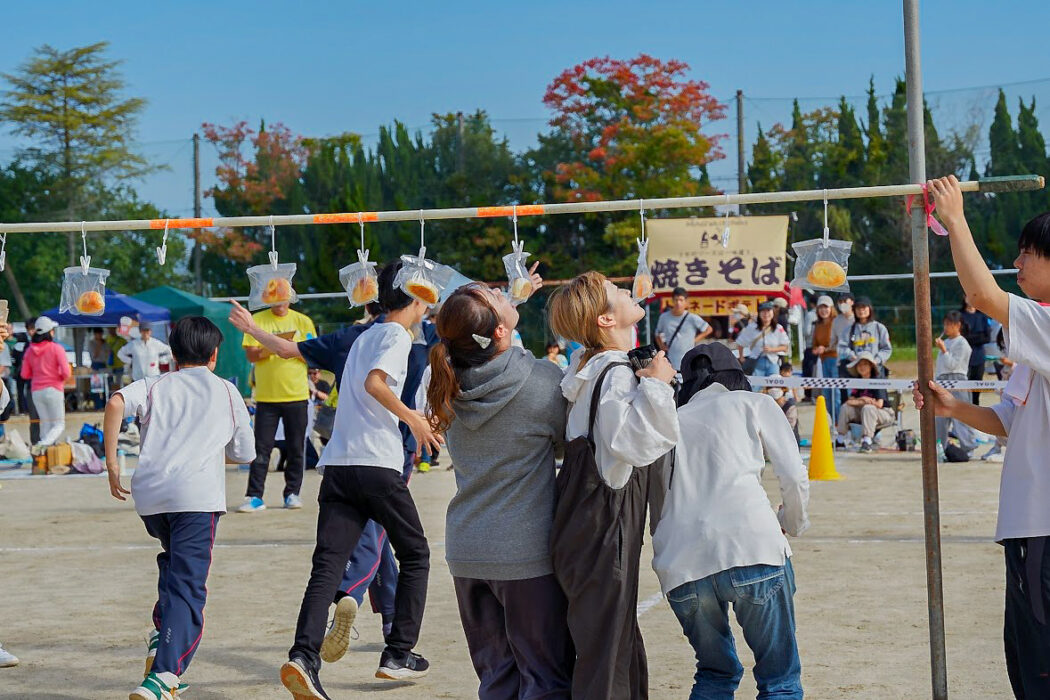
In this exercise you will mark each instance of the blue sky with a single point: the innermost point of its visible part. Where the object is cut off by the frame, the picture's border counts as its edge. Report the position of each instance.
(328, 67)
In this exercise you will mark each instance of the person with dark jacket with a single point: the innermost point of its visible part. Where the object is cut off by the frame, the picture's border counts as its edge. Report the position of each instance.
(977, 329)
(485, 395)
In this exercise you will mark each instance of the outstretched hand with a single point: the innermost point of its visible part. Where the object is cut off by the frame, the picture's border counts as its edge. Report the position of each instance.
(240, 317)
(947, 195)
(535, 278)
(943, 401)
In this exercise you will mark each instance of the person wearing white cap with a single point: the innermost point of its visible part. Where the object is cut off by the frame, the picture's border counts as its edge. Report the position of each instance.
(46, 367)
(823, 348)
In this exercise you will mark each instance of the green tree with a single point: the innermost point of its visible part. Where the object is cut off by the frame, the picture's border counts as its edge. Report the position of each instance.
(71, 108)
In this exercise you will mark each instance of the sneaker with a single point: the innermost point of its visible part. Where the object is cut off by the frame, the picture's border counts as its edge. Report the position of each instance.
(252, 504)
(152, 641)
(337, 641)
(7, 659)
(293, 502)
(995, 456)
(301, 681)
(866, 447)
(401, 667)
(423, 467)
(154, 687)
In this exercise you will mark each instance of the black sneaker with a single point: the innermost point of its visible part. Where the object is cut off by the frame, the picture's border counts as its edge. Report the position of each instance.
(866, 447)
(394, 666)
(301, 680)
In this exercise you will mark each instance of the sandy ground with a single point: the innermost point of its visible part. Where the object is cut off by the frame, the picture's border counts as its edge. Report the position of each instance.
(77, 576)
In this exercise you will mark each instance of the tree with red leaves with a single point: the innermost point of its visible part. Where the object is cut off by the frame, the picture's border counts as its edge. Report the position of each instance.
(635, 127)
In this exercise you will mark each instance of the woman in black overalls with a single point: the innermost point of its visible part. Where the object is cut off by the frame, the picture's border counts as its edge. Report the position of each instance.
(618, 424)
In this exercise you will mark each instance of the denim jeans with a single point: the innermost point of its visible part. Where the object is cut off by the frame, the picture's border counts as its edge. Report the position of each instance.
(830, 369)
(765, 368)
(762, 601)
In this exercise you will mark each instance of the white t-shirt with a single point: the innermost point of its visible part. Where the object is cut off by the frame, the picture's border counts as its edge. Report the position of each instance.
(956, 360)
(1025, 483)
(144, 357)
(691, 326)
(755, 342)
(366, 434)
(191, 423)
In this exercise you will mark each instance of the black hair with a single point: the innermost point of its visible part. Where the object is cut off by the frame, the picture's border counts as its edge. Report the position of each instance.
(373, 308)
(679, 292)
(193, 339)
(865, 301)
(786, 367)
(846, 296)
(31, 321)
(391, 298)
(954, 316)
(1035, 236)
(1000, 340)
(552, 344)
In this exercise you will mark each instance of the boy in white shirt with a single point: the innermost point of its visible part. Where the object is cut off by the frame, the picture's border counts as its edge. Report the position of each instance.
(192, 423)
(1023, 526)
(953, 362)
(362, 481)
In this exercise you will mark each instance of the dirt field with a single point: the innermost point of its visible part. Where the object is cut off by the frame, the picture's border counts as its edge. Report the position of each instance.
(77, 573)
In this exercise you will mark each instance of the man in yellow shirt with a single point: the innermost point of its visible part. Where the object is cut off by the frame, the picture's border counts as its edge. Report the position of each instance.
(281, 394)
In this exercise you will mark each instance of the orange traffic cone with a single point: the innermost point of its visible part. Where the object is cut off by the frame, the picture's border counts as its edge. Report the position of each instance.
(822, 456)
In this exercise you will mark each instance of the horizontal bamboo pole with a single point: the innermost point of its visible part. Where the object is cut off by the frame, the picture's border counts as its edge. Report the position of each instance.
(997, 184)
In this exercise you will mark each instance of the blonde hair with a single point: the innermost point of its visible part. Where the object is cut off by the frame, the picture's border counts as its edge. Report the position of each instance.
(573, 312)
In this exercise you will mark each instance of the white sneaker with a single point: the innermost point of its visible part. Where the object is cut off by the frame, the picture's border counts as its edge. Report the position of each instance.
(293, 502)
(252, 504)
(7, 659)
(337, 641)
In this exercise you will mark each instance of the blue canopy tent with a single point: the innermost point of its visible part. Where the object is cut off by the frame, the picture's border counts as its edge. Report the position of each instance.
(117, 305)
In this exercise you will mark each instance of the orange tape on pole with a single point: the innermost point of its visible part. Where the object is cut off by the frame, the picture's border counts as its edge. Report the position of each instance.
(181, 223)
(354, 218)
(523, 210)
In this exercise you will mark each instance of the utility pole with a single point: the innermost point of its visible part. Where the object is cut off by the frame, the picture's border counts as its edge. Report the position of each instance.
(198, 280)
(741, 166)
(459, 142)
(920, 250)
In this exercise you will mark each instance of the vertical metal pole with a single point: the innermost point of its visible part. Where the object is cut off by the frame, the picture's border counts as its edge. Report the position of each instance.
(924, 341)
(741, 165)
(197, 252)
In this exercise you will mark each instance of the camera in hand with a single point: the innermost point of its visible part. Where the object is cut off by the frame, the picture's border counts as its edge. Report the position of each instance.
(642, 357)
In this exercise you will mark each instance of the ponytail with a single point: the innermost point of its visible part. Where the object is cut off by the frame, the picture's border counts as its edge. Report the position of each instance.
(468, 314)
(443, 389)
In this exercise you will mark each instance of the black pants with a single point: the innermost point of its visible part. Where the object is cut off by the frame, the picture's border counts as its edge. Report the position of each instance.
(809, 367)
(518, 637)
(349, 497)
(267, 415)
(1027, 640)
(975, 373)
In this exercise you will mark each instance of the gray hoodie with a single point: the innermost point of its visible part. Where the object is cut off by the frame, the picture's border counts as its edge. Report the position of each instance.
(509, 415)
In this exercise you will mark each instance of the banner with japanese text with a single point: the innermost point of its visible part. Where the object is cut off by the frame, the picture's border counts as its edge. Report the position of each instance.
(688, 253)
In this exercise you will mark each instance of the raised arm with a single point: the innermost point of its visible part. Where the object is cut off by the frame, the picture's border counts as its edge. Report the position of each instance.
(242, 320)
(974, 276)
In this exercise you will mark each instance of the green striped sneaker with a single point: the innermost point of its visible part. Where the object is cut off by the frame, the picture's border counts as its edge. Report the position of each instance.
(152, 641)
(155, 688)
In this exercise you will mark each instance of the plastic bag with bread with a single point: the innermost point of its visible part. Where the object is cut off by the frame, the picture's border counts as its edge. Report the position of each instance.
(271, 285)
(519, 281)
(359, 280)
(822, 266)
(642, 287)
(423, 280)
(83, 291)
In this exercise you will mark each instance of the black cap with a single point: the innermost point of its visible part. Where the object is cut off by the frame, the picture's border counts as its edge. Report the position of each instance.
(679, 292)
(863, 301)
(766, 306)
(721, 358)
(143, 326)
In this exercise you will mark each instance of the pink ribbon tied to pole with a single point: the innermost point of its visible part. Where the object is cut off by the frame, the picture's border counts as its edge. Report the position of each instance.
(931, 223)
